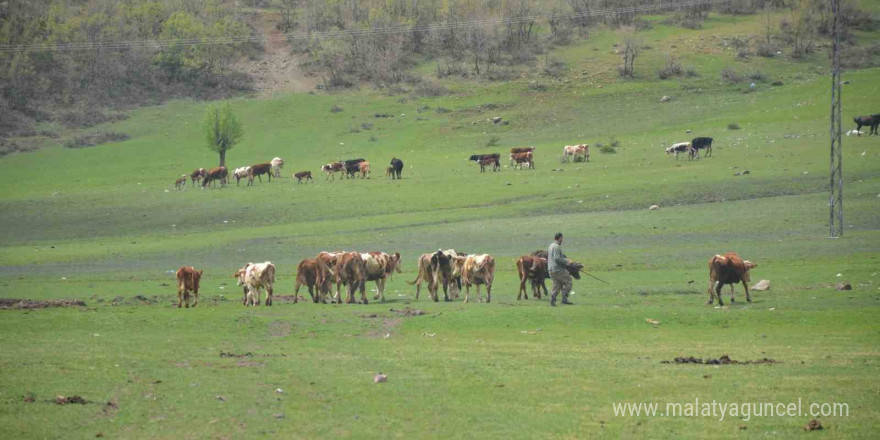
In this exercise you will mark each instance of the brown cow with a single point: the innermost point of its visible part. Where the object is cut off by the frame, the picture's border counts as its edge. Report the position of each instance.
(439, 267)
(380, 267)
(389, 172)
(213, 174)
(532, 268)
(486, 161)
(307, 274)
(517, 150)
(351, 272)
(332, 168)
(523, 158)
(303, 175)
(197, 175)
(728, 269)
(326, 274)
(188, 279)
(477, 270)
(180, 183)
(364, 168)
(258, 170)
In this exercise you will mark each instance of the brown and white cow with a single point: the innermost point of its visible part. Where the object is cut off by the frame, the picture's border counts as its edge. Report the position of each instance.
(582, 151)
(332, 168)
(518, 150)
(441, 267)
(379, 267)
(180, 183)
(197, 175)
(188, 280)
(326, 275)
(681, 148)
(351, 272)
(307, 175)
(534, 269)
(253, 278)
(258, 170)
(215, 174)
(241, 173)
(523, 158)
(728, 269)
(478, 270)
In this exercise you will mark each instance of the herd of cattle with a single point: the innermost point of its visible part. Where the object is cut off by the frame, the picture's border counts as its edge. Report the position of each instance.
(448, 269)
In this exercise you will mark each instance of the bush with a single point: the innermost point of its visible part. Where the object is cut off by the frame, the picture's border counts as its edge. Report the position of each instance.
(84, 117)
(430, 89)
(373, 138)
(553, 68)
(777, 83)
(757, 75)
(538, 87)
(731, 76)
(690, 72)
(367, 126)
(672, 68)
(93, 139)
(733, 126)
(615, 143)
(607, 149)
(335, 109)
(765, 50)
(442, 110)
(493, 141)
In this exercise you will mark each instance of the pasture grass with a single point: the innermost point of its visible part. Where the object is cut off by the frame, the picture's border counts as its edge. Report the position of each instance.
(105, 225)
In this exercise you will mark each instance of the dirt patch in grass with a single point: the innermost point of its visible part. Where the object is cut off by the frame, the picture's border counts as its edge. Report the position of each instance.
(226, 354)
(723, 360)
(18, 304)
(279, 329)
(287, 299)
(408, 312)
(77, 400)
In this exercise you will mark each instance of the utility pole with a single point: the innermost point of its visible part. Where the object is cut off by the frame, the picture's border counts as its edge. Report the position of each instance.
(836, 220)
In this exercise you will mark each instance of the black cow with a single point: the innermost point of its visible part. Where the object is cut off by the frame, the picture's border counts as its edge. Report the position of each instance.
(872, 121)
(699, 143)
(352, 167)
(478, 157)
(396, 168)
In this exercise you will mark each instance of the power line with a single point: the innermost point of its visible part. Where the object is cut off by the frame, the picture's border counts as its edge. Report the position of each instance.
(388, 30)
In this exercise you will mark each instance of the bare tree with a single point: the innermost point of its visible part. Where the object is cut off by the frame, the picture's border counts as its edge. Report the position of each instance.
(632, 47)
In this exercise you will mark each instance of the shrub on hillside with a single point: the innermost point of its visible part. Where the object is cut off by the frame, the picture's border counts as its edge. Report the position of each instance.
(671, 68)
(335, 109)
(84, 117)
(607, 149)
(733, 126)
(730, 75)
(493, 141)
(93, 139)
(430, 89)
(757, 75)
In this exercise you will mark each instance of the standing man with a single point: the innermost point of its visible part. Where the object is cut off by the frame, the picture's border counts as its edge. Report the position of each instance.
(557, 263)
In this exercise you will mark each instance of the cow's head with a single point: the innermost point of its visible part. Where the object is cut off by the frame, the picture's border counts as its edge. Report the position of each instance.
(241, 273)
(475, 157)
(395, 261)
(575, 269)
(748, 265)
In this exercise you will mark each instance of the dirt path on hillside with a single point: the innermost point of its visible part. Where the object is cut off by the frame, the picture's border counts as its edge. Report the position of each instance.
(277, 70)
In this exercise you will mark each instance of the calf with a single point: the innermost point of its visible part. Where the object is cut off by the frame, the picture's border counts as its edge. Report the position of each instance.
(397, 167)
(197, 175)
(523, 158)
(180, 183)
(307, 274)
(364, 168)
(389, 172)
(699, 143)
(241, 173)
(215, 174)
(258, 170)
(277, 163)
(681, 147)
(535, 269)
(478, 270)
(379, 267)
(332, 168)
(303, 175)
(187, 280)
(486, 161)
(872, 121)
(253, 278)
(728, 269)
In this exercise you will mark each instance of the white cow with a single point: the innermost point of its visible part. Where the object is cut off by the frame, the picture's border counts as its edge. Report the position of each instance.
(277, 164)
(379, 268)
(240, 173)
(681, 147)
(253, 278)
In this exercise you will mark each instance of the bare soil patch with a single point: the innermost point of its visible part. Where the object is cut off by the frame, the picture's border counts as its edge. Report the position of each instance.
(78, 400)
(279, 329)
(226, 354)
(408, 312)
(18, 304)
(723, 360)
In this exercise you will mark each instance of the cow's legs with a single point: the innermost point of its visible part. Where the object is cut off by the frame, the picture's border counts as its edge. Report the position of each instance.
(467, 291)
(269, 295)
(522, 288)
(195, 297)
(363, 287)
(488, 292)
(711, 292)
(179, 297)
(718, 293)
(731, 293)
(746, 287)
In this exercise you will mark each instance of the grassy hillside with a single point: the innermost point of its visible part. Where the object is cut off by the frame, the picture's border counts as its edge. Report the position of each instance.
(105, 225)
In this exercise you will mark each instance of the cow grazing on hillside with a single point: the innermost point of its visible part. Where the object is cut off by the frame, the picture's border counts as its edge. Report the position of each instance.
(364, 168)
(518, 150)
(258, 170)
(396, 167)
(307, 175)
(379, 267)
(180, 183)
(351, 272)
(307, 274)
(478, 270)
(478, 157)
(241, 173)
(253, 278)
(728, 269)
(215, 174)
(523, 158)
(326, 274)
(188, 280)
(332, 168)
(277, 163)
(487, 161)
(680, 148)
(700, 143)
(534, 269)
(352, 167)
(197, 175)
(872, 121)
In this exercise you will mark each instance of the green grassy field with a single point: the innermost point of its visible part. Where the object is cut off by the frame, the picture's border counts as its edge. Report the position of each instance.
(105, 225)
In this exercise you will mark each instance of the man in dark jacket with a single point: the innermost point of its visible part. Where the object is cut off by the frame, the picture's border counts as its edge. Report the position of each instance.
(556, 265)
